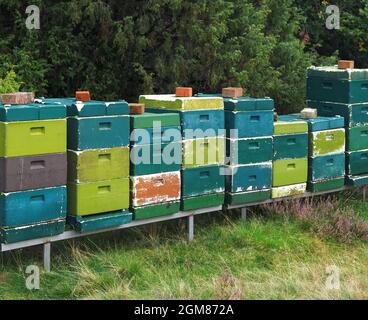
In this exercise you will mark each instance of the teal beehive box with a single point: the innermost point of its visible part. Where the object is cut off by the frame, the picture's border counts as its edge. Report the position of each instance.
(34, 231)
(290, 146)
(357, 162)
(326, 167)
(155, 158)
(32, 112)
(202, 180)
(334, 85)
(354, 114)
(98, 132)
(249, 177)
(249, 150)
(249, 124)
(357, 138)
(31, 207)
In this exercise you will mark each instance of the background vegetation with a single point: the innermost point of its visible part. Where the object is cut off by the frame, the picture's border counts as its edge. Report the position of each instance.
(120, 49)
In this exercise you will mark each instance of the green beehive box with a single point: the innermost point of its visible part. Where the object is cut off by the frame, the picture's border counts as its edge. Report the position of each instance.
(155, 211)
(201, 202)
(357, 162)
(171, 102)
(357, 138)
(203, 152)
(289, 172)
(100, 221)
(289, 191)
(29, 138)
(357, 181)
(326, 142)
(98, 165)
(148, 119)
(326, 185)
(98, 197)
(287, 127)
(29, 232)
(248, 197)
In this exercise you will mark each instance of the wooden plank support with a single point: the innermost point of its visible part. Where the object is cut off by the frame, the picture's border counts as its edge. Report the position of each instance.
(244, 214)
(47, 256)
(191, 228)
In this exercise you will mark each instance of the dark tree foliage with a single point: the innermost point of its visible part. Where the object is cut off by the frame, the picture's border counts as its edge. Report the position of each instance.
(120, 49)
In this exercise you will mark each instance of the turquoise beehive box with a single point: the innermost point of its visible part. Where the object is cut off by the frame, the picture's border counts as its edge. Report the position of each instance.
(327, 167)
(31, 207)
(98, 132)
(290, 146)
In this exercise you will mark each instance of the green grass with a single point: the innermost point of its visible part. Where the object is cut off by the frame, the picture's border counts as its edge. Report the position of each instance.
(269, 256)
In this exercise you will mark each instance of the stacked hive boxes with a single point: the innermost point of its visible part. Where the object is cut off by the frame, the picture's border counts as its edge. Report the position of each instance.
(155, 165)
(290, 158)
(202, 124)
(249, 130)
(335, 91)
(98, 164)
(326, 152)
(33, 171)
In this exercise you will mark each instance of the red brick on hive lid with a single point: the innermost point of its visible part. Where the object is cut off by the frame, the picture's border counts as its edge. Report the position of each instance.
(83, 96)
(346, 64)
(136, 108)
(17, 98)
(232, 92)
(184, 92)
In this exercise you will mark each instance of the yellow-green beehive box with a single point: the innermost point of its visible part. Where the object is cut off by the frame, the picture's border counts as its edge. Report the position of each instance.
(98, 197)
(172, 102)
(98, 165)
(28, 138)
(203, 152)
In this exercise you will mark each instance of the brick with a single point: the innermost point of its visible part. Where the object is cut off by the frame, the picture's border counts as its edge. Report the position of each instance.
(17, 98)
(232, 92)
(184, 92)
(346, 64)
(136, 108)
(308, 113)
(83, 96)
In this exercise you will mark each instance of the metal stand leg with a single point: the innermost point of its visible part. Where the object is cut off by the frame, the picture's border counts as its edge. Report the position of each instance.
(47, 257)
(364, 194)
(190, 228)
(244, 214)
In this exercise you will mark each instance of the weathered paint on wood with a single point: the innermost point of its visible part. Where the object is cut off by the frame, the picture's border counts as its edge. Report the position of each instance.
(98, 165)
(357, 162)
(34, 206)
(285, 127)
(202, 180)
(30, 232)
(32, 112)
(249, 150)
(290, 172)
(289, 191)
(33, 172)
(249, 124)
(326, 142)
(249, 177)
(172, 102)
(28, 138)
(98, 197)
(326, 167)
(203, 201)
(155, 188)
(155, 158)
(357, 181)
(98, 132)
(357, 138)
(203, 152)
(290, 146)
(234, 199)
(154, 211)
(326, 185)
(148, 119)
(342, 91)
(354, 114)
(100, 221)
(98, 108)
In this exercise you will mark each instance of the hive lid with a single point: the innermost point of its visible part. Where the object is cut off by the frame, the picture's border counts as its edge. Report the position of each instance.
(318, 124)
(172, 102)
(335, 73)
(285, 127)
(32, 112)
